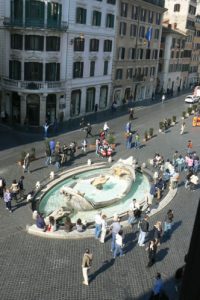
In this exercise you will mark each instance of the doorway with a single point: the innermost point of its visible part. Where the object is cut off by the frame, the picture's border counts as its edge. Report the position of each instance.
(33, 110)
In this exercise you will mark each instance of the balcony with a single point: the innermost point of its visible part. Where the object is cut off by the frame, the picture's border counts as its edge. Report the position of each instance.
(160, 3)
(39, 24)
(139, 78)
(33, 86)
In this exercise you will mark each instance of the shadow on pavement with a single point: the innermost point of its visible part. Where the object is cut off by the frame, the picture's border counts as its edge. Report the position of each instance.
(106, 265)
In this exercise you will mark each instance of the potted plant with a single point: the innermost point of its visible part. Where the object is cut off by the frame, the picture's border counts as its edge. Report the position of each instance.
(145, 136)
(194, 108)
(21, 161)
(111, 140)
(32, 154)
(161, 126)
(173, 120)
(151, 130)
(183, 115)
(169, 122)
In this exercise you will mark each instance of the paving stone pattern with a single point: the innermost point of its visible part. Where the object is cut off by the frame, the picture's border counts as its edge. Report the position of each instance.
(45, 269)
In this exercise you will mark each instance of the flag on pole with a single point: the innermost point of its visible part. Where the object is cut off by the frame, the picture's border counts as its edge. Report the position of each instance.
(148, 35)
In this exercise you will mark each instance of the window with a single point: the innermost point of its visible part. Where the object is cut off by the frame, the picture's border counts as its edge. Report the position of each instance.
(92, 68)
(75, 103)
(192, 10)
(140, 53)
(94, 45)
(103, 97)
(148, 54)
(121, 53)
(132, 53)
(111, 2)
(17, 11)
(34, 13)
(177, 7)
(134, 12)
(79, 44)
(15, 69)
(107, 46)
(155, 54)
(142, 32)
(119, 74)
(122, 28)
(145, 71)
(133, 30)
(158, 19)
(110, 21)
(78, 69)
(96, 18)
(54, 15)
(172, 54)
(124, 9)
(53, 43)
(33, 71)
(90, 100)
(152, 71)
(52, 72)
(105, 67)
(156, 34)
(129, 74)
(34, 42)
(81, 14)
(150, 16)
(16, 41)
(143, 13)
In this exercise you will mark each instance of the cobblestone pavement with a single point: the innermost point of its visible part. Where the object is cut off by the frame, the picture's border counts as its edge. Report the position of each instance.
(36, 268)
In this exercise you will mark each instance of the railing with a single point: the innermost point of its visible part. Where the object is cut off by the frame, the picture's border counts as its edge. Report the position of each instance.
(160, 3)
(32, 85)
(9, 22)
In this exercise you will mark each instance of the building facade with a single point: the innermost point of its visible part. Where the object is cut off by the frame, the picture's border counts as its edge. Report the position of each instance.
(181, 16)
(56, 58)
(135, 67)
(172, 76)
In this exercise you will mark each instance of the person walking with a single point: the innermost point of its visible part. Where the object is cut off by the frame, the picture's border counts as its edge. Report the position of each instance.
(144, 228)
(48, 155)
(98, 224)
(46, 127)
(103, 229)
(7, 199)
(2, 186)
(168, 222)
(189, 147)
(152, 249)
(118, 245)
(86, 265)
(163, 98)
(115, 228)
(182, 128)
(21, 187)
(157, 232)
(26, 164)
(88, 130)
(137, 141)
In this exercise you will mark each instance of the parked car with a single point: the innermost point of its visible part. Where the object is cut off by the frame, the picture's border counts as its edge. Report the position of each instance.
(191, 99)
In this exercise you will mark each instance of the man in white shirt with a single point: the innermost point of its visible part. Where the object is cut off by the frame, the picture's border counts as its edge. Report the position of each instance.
(118, 245)
(134, 205)
(98, 224)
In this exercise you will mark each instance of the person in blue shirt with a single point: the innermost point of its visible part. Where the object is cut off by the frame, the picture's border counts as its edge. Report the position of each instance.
(40, 222)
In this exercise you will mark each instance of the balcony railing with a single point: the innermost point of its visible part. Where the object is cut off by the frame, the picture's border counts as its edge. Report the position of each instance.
(160, 3)
(8, 22)
(18, 85)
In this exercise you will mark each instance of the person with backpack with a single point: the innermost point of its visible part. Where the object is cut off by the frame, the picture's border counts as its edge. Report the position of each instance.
(144, 228)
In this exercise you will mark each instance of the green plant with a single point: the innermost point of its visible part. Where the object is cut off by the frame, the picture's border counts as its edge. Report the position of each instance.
(110, 139)
(146, 135)
(161, 125)
(194, 107)
(183, 114)
(189, 110)
(174, 119)
(23, 154)
(32, 154)
(169, 122)
(151, 130)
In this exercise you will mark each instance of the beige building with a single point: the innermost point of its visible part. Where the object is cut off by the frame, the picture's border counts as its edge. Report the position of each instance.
(181, 15)
(196, 49)
(172, 73)
(135, 66)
